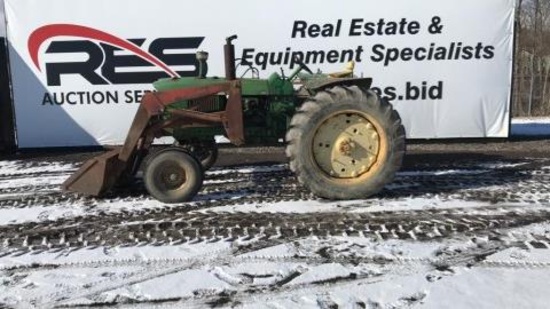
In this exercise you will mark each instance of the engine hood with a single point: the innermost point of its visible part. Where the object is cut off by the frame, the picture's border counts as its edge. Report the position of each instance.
(185, 82)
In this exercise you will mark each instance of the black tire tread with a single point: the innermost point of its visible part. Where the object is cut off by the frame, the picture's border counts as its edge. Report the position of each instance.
(193, 167)
(300, 123)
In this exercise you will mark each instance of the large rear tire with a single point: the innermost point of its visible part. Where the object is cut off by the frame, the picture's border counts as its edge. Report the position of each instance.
(173, 176)
(345, 143)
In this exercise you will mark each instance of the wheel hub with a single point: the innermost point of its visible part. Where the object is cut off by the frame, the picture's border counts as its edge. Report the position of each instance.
(172, 176)
(346, 145)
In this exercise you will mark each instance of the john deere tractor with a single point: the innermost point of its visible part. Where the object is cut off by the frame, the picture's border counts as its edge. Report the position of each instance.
(342, 140)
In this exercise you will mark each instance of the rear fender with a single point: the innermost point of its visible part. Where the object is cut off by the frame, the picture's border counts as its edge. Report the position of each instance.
(321, 85)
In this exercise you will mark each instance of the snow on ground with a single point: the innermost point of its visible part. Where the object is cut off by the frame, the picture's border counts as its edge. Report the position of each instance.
(35, 211)
(310, 272)
(18, 167)
(400, 274)
(72, 208)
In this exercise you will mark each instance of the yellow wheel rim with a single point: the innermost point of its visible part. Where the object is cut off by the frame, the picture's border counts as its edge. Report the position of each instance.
(346, 145)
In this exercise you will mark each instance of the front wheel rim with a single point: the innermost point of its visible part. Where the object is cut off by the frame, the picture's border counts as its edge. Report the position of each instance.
(171, 177)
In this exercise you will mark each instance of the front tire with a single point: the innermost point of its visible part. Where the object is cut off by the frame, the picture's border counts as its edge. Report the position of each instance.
(345, 143)
(173, 176)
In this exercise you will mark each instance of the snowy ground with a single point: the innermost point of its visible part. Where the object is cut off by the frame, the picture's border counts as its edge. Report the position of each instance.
(469, 233)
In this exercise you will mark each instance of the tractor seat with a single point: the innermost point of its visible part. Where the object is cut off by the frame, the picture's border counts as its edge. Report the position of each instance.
(347, 72)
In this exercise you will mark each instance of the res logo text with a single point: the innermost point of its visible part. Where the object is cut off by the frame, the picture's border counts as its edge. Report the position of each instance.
(104, 63)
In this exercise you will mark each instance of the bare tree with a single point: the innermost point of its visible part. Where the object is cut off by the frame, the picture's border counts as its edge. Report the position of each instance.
(532, 67)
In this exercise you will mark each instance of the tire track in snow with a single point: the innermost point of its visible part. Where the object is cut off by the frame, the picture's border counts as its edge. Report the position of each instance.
(155, 229)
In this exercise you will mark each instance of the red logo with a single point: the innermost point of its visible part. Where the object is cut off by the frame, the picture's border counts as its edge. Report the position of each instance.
(40, 35)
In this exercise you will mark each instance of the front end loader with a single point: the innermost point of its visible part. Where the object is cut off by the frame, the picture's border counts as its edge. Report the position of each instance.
(343, 141)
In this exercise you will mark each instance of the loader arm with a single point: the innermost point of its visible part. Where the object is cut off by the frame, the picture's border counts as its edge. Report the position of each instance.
(101, 173)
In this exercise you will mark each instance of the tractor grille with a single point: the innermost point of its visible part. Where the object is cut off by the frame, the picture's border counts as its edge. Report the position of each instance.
(208, 104)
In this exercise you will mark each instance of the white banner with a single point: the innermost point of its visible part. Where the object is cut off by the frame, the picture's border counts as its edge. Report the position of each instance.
(80, 67)
(2, 20)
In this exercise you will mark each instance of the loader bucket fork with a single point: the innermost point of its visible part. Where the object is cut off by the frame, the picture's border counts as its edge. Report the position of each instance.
(103, 172)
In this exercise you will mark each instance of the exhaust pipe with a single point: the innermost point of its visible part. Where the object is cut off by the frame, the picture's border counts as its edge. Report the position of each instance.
(202, 56)
(229, 52)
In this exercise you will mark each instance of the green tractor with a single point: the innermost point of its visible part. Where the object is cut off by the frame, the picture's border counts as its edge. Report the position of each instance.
(342, 140)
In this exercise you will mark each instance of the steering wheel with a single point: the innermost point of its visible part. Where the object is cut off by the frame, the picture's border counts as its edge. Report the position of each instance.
(302, 65)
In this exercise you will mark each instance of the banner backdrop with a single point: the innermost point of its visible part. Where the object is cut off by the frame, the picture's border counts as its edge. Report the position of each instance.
(2, 20)
(80, 67)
